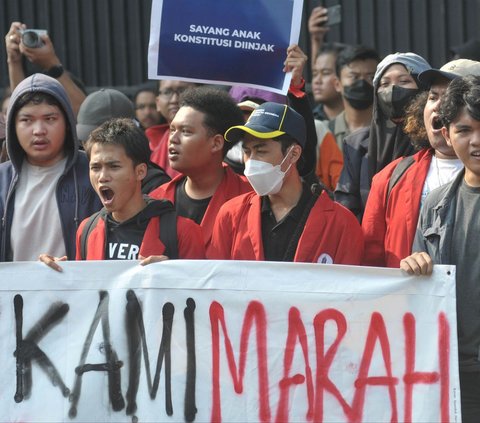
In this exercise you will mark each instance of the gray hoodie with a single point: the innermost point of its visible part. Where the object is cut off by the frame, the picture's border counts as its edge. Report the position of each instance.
(40, 83)
(75, 196)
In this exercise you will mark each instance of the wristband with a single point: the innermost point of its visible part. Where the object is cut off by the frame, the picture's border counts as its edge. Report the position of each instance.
(55, 71)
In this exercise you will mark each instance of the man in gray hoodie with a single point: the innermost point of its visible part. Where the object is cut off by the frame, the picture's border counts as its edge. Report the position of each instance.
(45, 191)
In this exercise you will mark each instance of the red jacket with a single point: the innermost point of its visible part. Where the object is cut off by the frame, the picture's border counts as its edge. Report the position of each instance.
(190, 245)
(231, 186)
(389, 229)
(332, 234)
(158, 138)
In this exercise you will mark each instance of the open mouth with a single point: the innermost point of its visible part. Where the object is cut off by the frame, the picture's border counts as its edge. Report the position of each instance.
(107, 195)
(436, 123)
(172, 152)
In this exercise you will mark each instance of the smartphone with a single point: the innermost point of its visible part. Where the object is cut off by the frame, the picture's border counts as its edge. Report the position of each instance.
(334, 14)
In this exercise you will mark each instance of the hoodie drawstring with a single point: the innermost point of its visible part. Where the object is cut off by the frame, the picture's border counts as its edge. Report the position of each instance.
(76, 218)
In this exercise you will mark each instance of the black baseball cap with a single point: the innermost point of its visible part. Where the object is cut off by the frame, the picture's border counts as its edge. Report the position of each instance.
(271, 120)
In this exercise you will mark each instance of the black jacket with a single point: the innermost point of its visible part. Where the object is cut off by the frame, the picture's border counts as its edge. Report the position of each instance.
(354, 183)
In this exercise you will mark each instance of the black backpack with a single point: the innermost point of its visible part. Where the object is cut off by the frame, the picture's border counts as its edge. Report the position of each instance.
(168, 232)
(397, 173)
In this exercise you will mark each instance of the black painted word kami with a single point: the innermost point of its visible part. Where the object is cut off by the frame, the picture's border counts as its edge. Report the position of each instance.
(27, 351)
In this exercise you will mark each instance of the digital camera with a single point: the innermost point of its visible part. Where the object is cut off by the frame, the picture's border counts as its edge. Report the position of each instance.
(31, 38)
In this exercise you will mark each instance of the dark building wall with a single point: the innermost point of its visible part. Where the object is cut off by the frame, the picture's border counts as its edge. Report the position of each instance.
(426, 27)
(105, 42)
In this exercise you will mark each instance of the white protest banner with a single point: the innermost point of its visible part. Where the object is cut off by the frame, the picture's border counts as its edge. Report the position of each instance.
(226, 341)
(224, 42)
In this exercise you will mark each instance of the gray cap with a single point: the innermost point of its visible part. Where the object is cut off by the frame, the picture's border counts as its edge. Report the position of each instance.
(101, 106)
(451, 70)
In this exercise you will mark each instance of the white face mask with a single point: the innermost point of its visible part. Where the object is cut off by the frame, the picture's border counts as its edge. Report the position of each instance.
(265, 178)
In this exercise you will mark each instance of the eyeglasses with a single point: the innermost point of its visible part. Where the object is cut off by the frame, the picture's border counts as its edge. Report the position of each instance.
(168, 93)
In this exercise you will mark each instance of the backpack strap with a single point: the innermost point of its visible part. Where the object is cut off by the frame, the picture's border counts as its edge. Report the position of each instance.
(87, 230)
(168, 233)
(398, 172)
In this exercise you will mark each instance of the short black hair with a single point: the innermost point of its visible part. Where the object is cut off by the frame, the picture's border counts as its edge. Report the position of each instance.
(122, 132)
(461, 93)
(352, 53)
(286, 141)
(36, 97)
(144, 90)
(331, 48)
(220, 110)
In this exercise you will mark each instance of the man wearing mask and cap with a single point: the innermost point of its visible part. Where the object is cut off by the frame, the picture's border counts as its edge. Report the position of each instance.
(285, 219)
(248, 98)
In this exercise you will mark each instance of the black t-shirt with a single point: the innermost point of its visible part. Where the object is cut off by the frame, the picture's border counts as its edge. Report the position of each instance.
(189, 207)
(123, 240)
(277, 236)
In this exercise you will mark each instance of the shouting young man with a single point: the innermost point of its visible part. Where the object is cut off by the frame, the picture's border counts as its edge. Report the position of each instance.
(129, 227)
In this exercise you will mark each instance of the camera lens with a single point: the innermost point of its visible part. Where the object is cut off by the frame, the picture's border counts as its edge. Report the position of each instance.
(31, 39)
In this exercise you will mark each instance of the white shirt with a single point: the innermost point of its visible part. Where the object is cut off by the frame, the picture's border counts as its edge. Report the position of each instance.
(36, 226)
(441, 172)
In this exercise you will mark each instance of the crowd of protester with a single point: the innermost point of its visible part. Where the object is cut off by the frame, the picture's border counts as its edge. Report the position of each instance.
(382, 170)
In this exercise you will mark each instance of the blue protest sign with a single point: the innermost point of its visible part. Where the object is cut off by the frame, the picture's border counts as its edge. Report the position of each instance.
(229, 41)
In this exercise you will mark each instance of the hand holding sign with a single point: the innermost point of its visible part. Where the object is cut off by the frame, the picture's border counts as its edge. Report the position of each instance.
(417, 264)
(51, 261)
(295, 63)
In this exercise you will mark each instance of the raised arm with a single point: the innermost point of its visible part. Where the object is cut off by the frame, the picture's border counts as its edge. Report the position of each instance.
(44, 57)
(298, 100)
(14, 56)
(317, 28)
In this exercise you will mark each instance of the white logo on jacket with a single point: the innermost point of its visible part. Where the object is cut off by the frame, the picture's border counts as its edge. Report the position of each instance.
(324, 258)
(123, 251)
